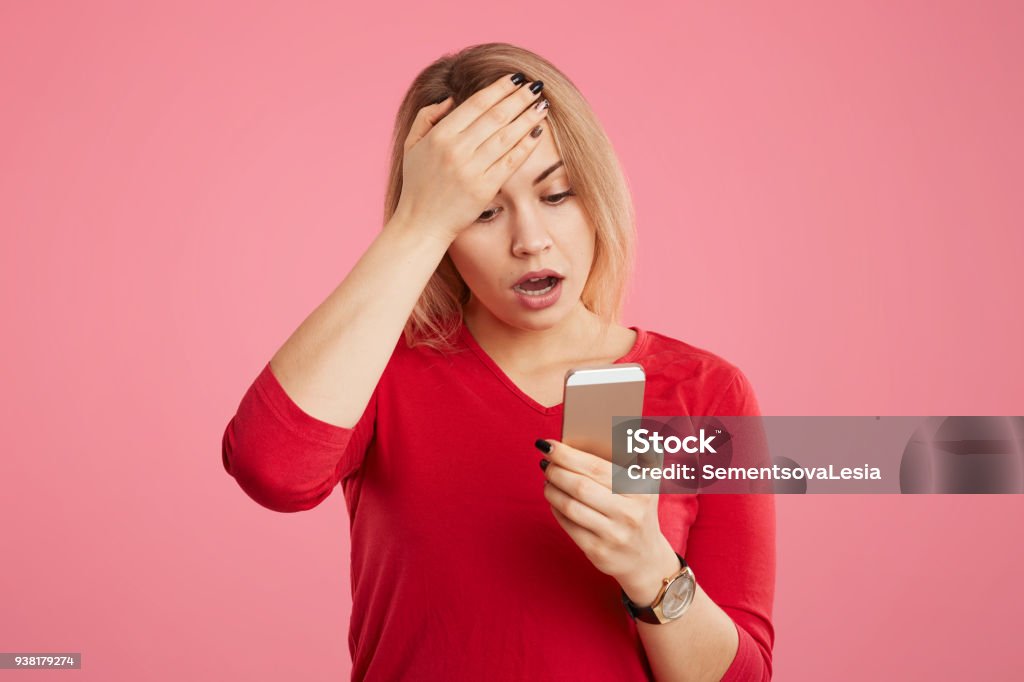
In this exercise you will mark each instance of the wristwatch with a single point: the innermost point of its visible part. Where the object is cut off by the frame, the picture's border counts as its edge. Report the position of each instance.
(673, 598)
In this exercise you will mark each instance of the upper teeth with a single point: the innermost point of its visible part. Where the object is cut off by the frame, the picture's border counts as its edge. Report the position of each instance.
(538, 292)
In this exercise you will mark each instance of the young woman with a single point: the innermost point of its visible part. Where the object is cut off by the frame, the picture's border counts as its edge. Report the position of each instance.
(425, 380)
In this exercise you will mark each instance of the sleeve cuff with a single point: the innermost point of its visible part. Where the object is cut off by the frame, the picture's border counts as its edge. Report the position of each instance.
(293, 416)
(749, 664)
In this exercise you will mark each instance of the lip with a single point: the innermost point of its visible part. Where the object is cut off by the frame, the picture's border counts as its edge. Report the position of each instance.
(540, 302)
(537, 274)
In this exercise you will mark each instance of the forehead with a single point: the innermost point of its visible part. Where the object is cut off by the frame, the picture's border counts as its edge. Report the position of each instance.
(544, 155)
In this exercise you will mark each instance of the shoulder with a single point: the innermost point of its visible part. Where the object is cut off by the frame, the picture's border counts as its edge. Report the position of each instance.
(425, 358)
(669, 354)
(712, 381)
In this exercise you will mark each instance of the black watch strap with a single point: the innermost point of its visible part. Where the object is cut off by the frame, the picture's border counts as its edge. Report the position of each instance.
(646, 613)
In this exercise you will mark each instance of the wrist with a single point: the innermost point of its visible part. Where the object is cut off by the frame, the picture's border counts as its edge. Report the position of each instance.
(403, 223)
(643, 584)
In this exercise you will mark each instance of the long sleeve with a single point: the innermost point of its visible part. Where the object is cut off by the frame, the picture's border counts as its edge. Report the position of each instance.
(282, 457)
(731, 547)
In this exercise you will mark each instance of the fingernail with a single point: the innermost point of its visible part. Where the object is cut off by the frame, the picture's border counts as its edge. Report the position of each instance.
(536, 87)
(543, 445)
(542, 105)
(544, 464)
(518, 78)
(536, 132)
(442, 99)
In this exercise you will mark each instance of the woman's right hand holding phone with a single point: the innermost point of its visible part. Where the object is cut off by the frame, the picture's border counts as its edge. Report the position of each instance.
(455, 163)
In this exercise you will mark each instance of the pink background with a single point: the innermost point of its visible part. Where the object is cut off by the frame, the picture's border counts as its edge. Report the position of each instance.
(828, 196)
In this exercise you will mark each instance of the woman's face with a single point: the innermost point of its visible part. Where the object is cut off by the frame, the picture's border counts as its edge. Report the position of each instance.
(529, 227)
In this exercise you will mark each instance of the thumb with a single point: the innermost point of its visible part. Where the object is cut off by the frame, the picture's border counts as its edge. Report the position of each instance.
(426, 119)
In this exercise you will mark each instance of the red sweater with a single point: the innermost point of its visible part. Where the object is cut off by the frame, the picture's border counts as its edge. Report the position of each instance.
(459, 569)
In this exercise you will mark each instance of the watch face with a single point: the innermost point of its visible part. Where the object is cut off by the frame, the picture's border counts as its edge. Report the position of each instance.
(678, 596)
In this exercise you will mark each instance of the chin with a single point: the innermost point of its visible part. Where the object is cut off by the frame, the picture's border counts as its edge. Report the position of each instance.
(538, 320)
(537, 325)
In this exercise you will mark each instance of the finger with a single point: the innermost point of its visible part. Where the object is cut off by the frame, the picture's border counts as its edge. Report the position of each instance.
(479, 102)
(507, 164)
(426, 118)
(501, 114)
(507, 137)
(585, 463)
(578, 512)
(584, 489)
(583, 538)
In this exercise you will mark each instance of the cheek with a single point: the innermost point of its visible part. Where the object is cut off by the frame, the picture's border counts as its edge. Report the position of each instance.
(472, 257)
(583, 250)
(581, 240)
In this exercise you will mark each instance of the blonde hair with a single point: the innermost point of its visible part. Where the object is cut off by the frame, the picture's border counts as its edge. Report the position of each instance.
(589, 159)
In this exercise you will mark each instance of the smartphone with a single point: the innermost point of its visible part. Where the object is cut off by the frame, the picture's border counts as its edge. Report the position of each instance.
(595, 394)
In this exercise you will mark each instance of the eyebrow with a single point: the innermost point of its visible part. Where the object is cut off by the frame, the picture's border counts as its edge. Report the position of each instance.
(548, 171)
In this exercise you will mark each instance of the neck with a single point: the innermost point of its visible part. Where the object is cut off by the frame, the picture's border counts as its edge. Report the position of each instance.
(577, 333)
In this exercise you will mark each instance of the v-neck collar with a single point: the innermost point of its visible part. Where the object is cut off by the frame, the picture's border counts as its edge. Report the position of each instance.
(499, 373)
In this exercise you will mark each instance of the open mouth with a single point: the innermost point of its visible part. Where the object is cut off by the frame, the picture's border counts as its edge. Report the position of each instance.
(537, 287)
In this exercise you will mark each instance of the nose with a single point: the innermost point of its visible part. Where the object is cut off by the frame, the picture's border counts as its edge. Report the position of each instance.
(529, 234)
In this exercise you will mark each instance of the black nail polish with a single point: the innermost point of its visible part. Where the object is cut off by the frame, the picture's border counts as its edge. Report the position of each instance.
(544, 463)
(543, 445)
(536, 87)
(518, 78)
(536, 132)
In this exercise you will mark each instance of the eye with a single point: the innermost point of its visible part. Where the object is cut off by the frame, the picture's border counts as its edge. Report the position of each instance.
(487, 215)
(551, 200)
(556, 199)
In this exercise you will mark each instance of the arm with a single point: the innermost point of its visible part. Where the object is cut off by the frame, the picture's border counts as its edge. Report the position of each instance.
(285, 459)
(291, 439)
(289, 443)
(453, 164)
(332, 362)
(727, 631)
